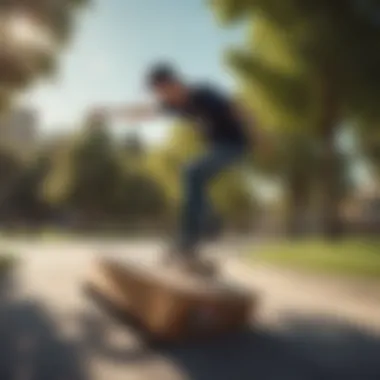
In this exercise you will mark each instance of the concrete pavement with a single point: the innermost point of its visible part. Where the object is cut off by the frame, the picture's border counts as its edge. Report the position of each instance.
(308, 328)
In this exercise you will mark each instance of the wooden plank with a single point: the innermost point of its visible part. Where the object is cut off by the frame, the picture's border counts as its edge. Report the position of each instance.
(173, 305)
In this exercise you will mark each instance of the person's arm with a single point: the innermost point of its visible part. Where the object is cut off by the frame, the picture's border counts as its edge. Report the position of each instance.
(133, 113)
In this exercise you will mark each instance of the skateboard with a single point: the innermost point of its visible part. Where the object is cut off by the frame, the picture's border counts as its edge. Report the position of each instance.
(169, 305)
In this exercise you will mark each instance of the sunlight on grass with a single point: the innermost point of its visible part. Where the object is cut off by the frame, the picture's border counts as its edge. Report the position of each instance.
(355, 257)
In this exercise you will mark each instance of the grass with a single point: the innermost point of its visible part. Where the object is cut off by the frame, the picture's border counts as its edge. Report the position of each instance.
(350, 257)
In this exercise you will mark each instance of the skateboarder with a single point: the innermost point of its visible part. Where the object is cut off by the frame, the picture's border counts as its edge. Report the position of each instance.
(224, 128)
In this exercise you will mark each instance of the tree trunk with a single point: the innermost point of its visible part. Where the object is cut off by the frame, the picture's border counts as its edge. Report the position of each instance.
(298, 205)
(329, 173)
(332, 226)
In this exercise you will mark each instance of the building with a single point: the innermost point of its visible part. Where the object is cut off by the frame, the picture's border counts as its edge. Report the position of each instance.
(19, 130)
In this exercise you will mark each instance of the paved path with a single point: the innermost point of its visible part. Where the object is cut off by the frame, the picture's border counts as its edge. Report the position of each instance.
(308, 328)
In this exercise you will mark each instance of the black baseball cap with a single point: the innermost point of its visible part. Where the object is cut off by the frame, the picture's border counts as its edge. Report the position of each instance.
(161, 73)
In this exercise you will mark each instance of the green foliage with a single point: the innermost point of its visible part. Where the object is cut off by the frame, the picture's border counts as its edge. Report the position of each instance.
(307, 67)
(98, 180)
(57, 186)
(20, 184)
(26, 199)
(337, 40)
(229, 11)
(21, 64)
(353, 257)
(369, 143)
(279, 99)
(165, 163)
(10, 168)
(140, 198)
(87, 172)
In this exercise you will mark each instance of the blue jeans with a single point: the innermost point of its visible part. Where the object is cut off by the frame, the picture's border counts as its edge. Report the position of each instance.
(196, 178)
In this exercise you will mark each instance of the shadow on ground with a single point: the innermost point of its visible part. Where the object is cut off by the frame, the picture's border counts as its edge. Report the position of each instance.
(302, 348)
(30, 345)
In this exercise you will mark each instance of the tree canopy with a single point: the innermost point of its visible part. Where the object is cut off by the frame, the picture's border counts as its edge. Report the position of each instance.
(32, 34)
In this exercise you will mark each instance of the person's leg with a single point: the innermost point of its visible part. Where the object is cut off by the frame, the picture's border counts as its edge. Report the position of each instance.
(197, 176)
(212, 224)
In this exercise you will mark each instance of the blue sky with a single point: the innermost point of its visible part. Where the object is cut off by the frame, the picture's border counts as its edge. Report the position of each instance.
(116, 40)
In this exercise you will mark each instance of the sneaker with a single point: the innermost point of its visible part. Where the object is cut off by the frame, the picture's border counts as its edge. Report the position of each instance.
(175, 255)
(195, 266)
(213, 230)
(189, 262)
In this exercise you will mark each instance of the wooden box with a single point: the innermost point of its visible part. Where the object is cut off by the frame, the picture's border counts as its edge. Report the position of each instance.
(170, 305)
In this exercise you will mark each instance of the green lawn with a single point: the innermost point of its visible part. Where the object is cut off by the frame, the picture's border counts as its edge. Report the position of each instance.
(352, 257)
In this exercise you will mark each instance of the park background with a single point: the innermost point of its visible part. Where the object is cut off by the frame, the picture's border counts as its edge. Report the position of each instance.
(302, 216)
(308, 72)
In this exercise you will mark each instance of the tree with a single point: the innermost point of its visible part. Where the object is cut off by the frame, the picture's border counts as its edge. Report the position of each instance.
(313, 66)
(25, 198)
(104, 181)
(20, 182)
(132, 146)
(141, 199)
(32, 32)
(86, 172)
(369, 149)
(11, 168)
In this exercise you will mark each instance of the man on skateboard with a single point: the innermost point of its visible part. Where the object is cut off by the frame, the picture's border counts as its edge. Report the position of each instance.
(224, 128)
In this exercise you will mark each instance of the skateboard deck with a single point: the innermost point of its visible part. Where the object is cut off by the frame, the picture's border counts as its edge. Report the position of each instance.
(169, 304)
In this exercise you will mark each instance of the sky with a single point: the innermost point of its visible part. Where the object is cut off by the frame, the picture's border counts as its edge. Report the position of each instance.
(115, 42)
